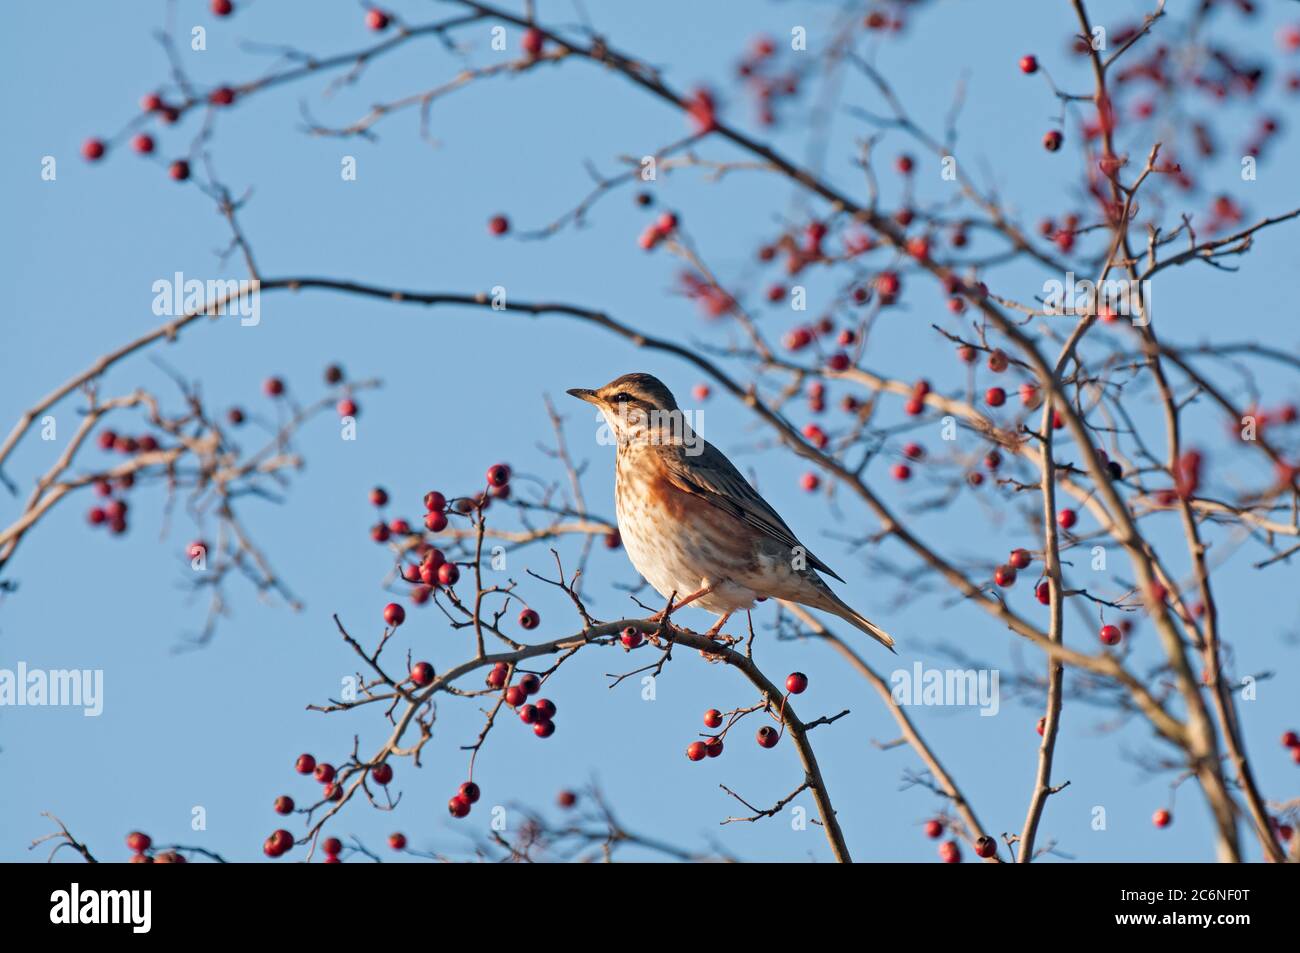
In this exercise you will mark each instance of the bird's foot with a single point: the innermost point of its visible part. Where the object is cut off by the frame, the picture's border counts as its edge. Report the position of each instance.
(665, 614)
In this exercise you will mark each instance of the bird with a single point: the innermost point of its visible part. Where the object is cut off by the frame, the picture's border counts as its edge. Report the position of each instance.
(692, 525)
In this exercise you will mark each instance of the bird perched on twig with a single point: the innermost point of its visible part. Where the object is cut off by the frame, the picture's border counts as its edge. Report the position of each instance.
(693, 526)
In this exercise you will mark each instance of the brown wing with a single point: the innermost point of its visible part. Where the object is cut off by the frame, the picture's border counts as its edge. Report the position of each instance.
(711, 477)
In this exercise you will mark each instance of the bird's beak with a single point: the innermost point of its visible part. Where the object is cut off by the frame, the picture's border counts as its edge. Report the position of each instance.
(582, 394)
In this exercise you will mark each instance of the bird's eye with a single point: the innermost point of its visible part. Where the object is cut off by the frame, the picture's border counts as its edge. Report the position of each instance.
(621, 397)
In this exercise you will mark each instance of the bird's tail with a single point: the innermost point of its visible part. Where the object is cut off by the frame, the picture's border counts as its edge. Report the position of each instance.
(820, 596)
(866, 625)
(827, 600)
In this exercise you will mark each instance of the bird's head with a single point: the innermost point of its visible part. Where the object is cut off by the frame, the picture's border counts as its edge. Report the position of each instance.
(639, 407)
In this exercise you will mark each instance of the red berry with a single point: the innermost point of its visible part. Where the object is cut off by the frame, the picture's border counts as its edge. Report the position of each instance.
(631, 638)
(280, 841)
(448, 573)
(767, 736)
(222, 96)
(986, 846)
(533, 41)
(1052, 140)
(142, 144)
(712, 718)
(179, 170)
(1291, 740)
(1020, 558)
(1005, 576)
(515, 696)
(995, 396)
(904, 164)
(713, 747)
(497, 677)
(273, 387)
(796, 682)
(528, 619)
(901, 471)
(458, 806)
(469, 791)
(498, 225)
(950, 852)
(913, 451)
(222, 8)
(435, 521)
(810, 482)
(566, 799)
(531, 684)
(379, 496)
(1042, 725)
(347, 407)
(93, 150)
(701, 392)
(422, 674)
(435, 502)
(545, 707)
(543, 727)
(305, 764)
(1029, 64)
(96, 516)
(697, 750)
(528, 714)
(934, 829)
(284, 804)
(1044, 592)
(1067, 518)
(397, 840)
(332, 846)
(382, 773)
(377, 20)
(998, 361)
(1162, 818)
(138, 842)
(1110, 635)
(324, 772)
(394, 614)
(498, 475)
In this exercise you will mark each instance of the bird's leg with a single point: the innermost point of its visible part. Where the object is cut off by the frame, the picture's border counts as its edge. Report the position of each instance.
(674, 606)
(717, 626)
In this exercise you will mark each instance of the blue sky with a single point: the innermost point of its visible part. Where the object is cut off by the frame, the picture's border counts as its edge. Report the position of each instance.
(219, 728)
